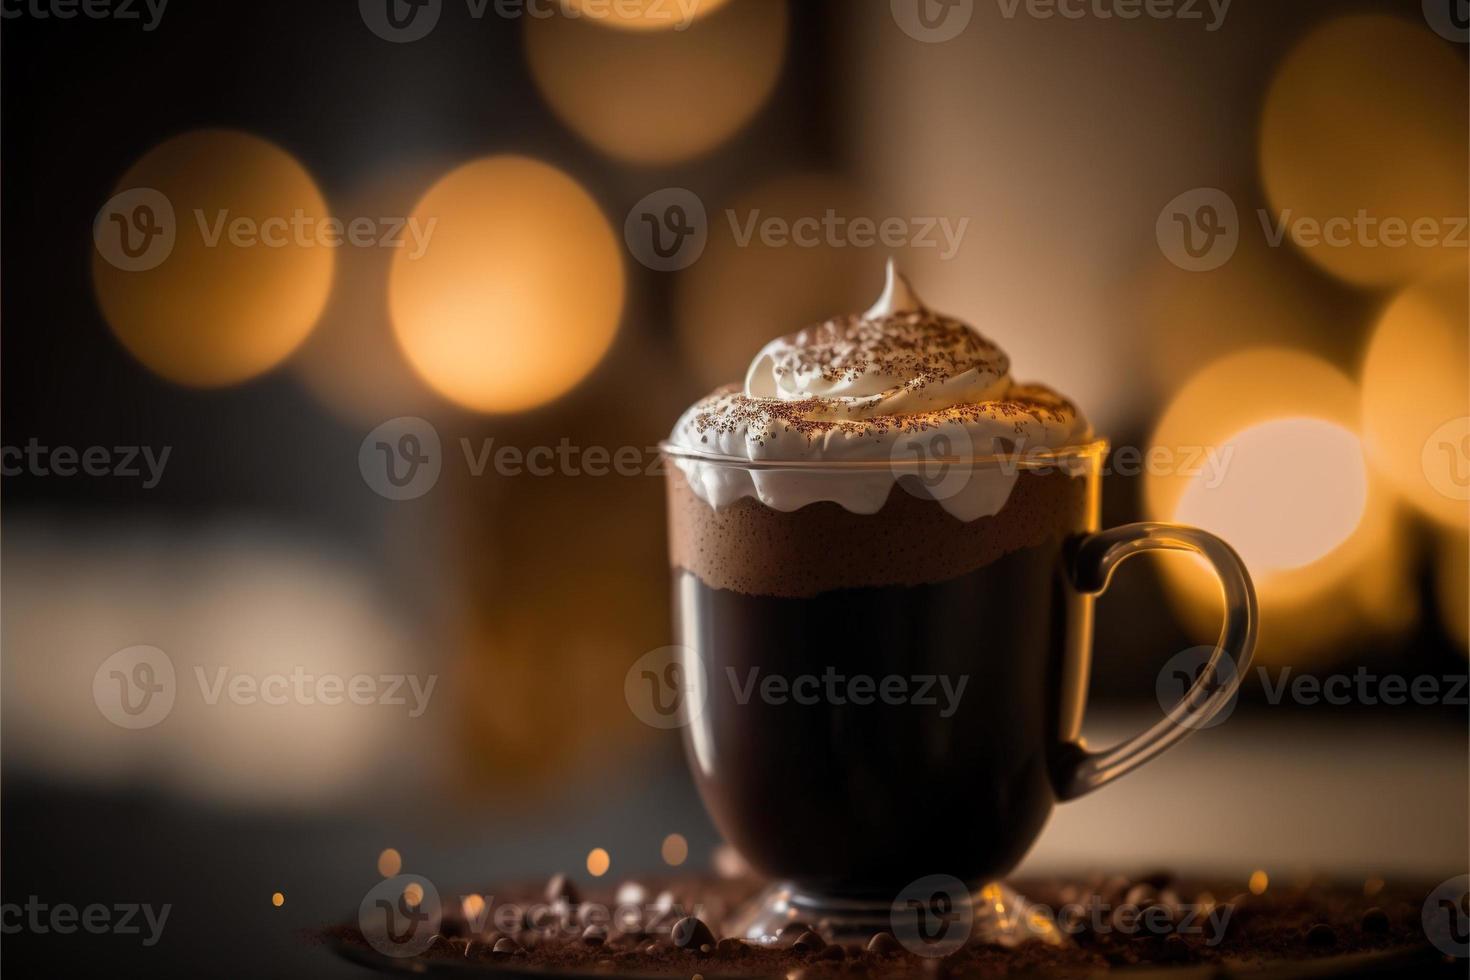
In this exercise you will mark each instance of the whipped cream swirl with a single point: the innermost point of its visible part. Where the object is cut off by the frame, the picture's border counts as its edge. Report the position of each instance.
(898, 383)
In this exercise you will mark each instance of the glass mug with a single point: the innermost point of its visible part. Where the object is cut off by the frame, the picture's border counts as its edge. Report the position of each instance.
(893, 699)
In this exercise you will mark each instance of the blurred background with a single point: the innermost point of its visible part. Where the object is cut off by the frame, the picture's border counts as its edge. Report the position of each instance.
(1185, 222)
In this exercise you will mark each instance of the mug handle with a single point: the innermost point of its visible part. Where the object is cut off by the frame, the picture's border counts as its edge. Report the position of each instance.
(1092, 566)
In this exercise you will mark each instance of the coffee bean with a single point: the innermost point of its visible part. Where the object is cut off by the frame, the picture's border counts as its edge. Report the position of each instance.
(1321, 935)
(1174, 949)
(1158, 880)
(808, 942)
(561, 889)
(690, 933)
(507, 947)
(884, 944)
(1375, 920)
(731, 947)
(790, 933)
(594, 935)
(1141, 895)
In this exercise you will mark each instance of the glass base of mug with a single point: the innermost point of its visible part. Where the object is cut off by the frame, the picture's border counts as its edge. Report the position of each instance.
(998, 915)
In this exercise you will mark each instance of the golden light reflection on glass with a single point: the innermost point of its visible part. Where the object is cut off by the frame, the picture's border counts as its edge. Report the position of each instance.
(645, 15)
(248, 270)
(390, 862)
(519, 294)
(675, 850)
(738, 296)
(1279, 472)
(1357, 121)
(656, 97)
(598, 862)
(1416, 395)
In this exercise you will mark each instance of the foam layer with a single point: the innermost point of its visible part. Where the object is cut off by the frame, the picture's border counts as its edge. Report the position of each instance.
(898, 384)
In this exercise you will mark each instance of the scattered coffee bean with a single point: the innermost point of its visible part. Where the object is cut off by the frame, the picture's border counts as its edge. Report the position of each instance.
(808, 942)
(1375, 920)
(884, 944)
(560, 889)
(594, 935)
(1174, 949)
(1321, 934)
(790, 933)
(1141, 895)
(690, 933)
(507, 947)
(731, 947)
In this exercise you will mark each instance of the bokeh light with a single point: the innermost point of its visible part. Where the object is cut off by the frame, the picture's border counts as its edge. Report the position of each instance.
(519, 294)
(1261, 296)
(1286, 483)
(278, 899)
(1259, 882)
(1271, 506)
(1416, 383)
(657, 97)
(675, 850)
(351, 363)
(413, 894)
(246, 277)
(1357, 119)
(473, 906)
(390, 862)
(645, 15)
(737, 297)
(598, 862)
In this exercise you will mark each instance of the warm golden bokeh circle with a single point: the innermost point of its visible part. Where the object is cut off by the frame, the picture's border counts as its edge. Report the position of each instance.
(1360, 116)
(1416, 382)
(598, 861)
(657, 97)
(390, 862)
(674, 850)
(1292, 492)
(519, 294)
(645, 15)
(221, 308)
(740, 295)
